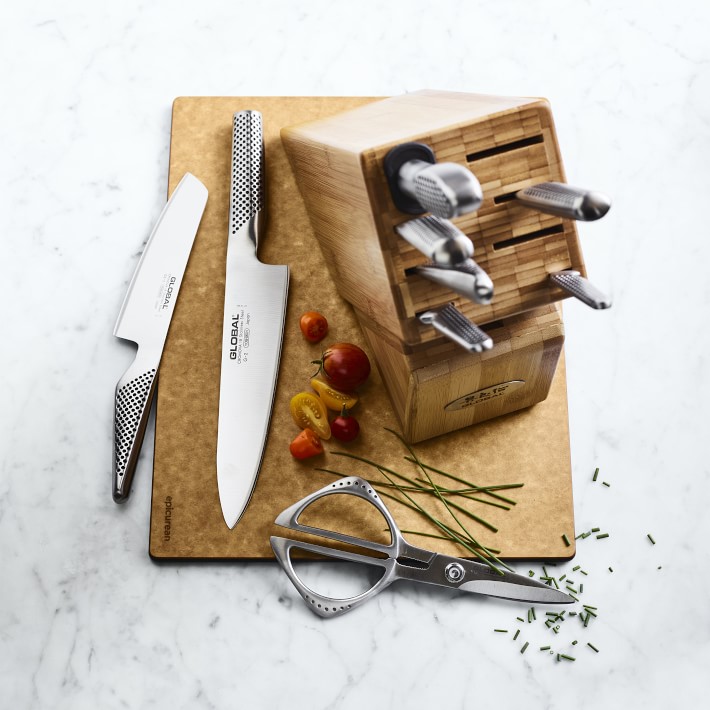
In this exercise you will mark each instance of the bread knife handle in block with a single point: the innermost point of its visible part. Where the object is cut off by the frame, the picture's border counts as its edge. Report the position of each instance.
(582, 289)
(449, 321)
(134, 394)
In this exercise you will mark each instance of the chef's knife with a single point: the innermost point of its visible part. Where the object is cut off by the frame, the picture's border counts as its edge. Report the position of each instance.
(254, 310)
(564, 200)
(144, 319)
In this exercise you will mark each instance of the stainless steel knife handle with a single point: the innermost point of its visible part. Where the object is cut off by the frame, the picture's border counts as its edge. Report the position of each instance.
(467, 279)
(449, 321)
(247, 206)
(576, 285)
(438, 239)
(134, 394)
(564, 200)
(446, 190)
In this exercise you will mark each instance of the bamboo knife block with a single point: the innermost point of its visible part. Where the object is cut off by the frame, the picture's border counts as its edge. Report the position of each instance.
(441, 388)
(508, 143)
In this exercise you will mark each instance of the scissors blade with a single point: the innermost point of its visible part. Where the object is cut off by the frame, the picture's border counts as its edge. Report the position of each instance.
(479, 578)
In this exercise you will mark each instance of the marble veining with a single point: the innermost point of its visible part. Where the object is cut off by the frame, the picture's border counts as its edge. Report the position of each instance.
(87, 620)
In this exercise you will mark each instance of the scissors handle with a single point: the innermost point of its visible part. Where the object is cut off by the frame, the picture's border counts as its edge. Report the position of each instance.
(320, 604)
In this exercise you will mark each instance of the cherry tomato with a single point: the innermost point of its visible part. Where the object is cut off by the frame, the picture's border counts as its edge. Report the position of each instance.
(344, 366)
(345, 427)
(314, 326)
(305, 445)
(309, 412)
(332, 398)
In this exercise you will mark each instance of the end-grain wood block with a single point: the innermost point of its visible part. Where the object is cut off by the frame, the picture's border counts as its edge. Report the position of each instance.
(508, 143)
(436, 390)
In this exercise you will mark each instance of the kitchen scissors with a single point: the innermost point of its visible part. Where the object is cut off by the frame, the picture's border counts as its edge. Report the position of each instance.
(401, 560)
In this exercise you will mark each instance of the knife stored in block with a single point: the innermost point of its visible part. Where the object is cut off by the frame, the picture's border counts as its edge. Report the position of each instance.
(254, 310)
(563, 200)
(144, 319)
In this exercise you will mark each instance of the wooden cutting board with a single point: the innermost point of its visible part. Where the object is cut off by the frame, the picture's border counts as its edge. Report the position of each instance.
(529, 447)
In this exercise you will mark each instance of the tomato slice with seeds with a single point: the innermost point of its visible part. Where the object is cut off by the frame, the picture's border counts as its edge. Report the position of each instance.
(332, 398)
(309, 412)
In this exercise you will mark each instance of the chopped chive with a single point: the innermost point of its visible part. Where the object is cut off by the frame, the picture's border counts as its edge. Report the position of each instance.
(573, 613)
(584, 573)
(551, 613)
(567, 658)
(565, 539)
(524, 648)
(556, 629)
(586, 619)
(571, 589)
(594, 648)
(562, 577)
(573, 596)
(531, 573)
(574, 569)
(501, 631)
(659, 567)
(529, 616)
(610, 569)
(602, 536)
(650, 537)
(604, 483)
(520, 618)
(545, 648)
(588, 607)
(581, 588)
(596, 473)
(595, 529)
(517, 633)
(533, 614)
(574, 643)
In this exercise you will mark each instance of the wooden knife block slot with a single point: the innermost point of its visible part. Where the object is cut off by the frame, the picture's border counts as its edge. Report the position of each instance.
(439, 389)
(508, 143)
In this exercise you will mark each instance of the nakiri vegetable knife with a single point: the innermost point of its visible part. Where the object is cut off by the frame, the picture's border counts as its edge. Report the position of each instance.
(255, 299)
(145, 318)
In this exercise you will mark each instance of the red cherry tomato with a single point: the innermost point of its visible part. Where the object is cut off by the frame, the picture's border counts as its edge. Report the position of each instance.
(344, 427)
(344, 366)
(314, 326)
(305, 445)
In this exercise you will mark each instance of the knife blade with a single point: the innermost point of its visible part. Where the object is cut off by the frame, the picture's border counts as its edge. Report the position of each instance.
(254, 311)
(144, 319)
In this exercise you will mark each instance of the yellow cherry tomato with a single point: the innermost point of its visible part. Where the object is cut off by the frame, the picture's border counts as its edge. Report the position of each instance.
(332, 398)
(309, 412)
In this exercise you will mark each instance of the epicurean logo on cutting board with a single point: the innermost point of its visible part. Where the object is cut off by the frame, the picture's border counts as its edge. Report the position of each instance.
(239, 337)
(167, 521)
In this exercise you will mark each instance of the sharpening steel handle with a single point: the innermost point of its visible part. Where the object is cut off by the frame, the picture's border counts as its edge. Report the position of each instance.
(134, 394)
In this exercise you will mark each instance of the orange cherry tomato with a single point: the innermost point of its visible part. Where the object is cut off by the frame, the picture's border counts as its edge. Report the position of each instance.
(332, 398)
(309, 412)
(314, 326)
(305, 445)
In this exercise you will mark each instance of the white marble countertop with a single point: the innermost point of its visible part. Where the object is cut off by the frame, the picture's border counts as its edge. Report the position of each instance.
(86, 619)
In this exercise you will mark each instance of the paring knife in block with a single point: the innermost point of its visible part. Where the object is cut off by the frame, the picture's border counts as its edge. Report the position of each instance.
(254, 311)
(144, 319)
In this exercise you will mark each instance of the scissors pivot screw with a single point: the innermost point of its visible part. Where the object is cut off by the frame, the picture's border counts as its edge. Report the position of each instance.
(454, 572)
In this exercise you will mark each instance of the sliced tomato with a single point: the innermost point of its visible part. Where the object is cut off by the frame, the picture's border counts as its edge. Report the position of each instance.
(332, 398)
(309, 412)
(305, 445)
